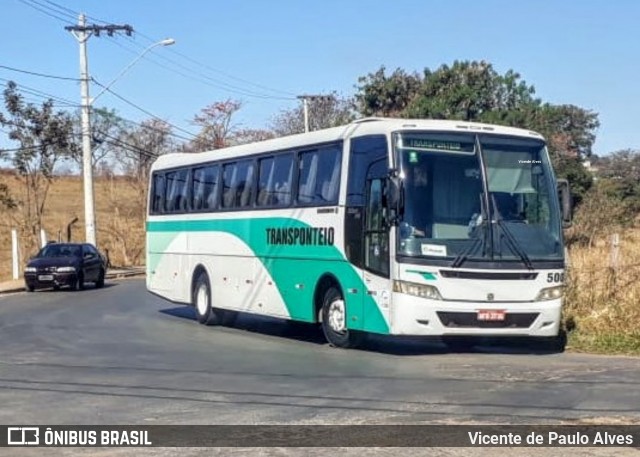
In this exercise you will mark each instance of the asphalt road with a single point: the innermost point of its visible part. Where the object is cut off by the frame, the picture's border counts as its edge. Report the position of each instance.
(119, 355)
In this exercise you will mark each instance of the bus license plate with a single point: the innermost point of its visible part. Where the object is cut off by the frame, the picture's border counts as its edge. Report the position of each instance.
(491, 315)
(45, 278)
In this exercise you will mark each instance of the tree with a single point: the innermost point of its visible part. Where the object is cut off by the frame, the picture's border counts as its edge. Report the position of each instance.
(470, 91)
(620, 174)
(141, 145)
(245, 136)
(216, 127)
(44, 138)
(325, 112)
(106, 126)
(382, 95)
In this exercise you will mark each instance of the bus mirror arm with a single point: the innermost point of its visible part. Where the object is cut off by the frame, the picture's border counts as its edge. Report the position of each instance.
(564, 195)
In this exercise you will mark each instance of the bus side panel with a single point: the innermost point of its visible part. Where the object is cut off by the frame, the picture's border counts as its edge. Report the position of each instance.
(295, 267)
(162, 263)
(237, 278)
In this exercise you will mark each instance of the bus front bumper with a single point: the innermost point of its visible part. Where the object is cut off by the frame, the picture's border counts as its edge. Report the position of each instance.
(418, 316)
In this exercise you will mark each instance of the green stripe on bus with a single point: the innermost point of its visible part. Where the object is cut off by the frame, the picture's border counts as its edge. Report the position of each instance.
(288, 265)
(425, 274)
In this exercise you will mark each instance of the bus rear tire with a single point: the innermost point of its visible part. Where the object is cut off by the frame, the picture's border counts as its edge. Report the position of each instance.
(201, 301)
(334, 321)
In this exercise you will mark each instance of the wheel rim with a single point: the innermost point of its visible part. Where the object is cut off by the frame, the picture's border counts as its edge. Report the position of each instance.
(337, 316)
(202, 300)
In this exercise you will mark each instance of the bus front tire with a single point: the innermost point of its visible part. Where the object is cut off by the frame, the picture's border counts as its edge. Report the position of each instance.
(334, 321)
(201, 300)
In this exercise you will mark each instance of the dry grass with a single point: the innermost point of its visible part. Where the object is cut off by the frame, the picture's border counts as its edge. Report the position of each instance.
(119, 219)
(603, 303)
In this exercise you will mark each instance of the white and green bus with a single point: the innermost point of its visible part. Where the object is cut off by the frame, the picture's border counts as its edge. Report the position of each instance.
(387, 226)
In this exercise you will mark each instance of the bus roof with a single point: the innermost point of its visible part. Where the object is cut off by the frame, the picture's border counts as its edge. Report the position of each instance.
(365, 126)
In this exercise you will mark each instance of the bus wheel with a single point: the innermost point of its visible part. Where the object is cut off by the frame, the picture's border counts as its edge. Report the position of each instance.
(202, 301)
(554, 344)
(334, 321)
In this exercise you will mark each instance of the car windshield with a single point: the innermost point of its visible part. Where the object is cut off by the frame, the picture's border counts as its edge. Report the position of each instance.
(60, 250)
(448, 213)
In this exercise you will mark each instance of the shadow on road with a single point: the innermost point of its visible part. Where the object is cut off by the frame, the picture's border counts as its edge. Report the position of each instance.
(391, 345)
(87, 287)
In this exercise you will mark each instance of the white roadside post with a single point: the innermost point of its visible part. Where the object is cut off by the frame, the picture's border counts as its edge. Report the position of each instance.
(15, 254)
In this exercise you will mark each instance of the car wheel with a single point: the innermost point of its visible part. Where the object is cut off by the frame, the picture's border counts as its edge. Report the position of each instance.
(56, 287)
(334, 321)
(79, 284)
(201, 300)
(100, 281)
(30, 288)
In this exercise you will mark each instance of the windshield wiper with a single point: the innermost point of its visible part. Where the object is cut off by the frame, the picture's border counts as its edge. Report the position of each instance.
(511, 240)
(478, 241)
(464, 255)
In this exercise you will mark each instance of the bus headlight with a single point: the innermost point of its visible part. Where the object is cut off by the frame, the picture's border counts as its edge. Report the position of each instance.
(550, 293)
(417, 290)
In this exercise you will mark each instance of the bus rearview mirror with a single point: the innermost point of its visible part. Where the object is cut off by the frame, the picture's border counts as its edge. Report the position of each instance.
(564, 195)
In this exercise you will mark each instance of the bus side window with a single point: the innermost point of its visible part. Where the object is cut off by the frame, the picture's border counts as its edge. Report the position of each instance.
(157, 201)
(228, 184)
(319, 176)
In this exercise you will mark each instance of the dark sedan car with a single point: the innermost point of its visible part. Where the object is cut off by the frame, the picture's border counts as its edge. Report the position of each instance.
(65, 264)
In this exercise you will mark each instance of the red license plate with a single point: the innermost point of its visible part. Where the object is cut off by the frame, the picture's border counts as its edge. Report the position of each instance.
(491, 315)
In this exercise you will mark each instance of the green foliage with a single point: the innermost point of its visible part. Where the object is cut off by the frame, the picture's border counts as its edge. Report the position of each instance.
(470, 91)
(572, 169)
(382, 95)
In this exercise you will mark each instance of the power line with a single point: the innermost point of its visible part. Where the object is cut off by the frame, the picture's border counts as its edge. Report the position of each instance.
(63, 9)
(39, 93)
(130, 103)
(131, 147)
(24, 148)
(205, 79)
(70, 104)
(289, 95)
(48, 11)
(34, 73)
(55, 8)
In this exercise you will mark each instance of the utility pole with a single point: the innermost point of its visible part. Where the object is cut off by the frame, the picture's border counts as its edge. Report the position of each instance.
(305, 103)
(82, 32)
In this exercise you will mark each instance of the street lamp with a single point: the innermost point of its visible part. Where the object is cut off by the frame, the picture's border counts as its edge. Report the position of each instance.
(165, 42)
(87, 162)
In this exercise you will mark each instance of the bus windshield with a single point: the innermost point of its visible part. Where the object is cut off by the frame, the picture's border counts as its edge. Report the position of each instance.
(477, 197)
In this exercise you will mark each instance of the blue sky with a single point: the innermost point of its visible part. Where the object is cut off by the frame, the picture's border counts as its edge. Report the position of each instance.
(263, 53)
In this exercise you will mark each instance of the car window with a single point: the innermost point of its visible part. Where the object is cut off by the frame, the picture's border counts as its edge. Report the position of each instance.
(87, 249)
(60, 250)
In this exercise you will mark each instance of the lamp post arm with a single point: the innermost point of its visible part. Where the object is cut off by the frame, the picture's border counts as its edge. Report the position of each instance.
(167, 42)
